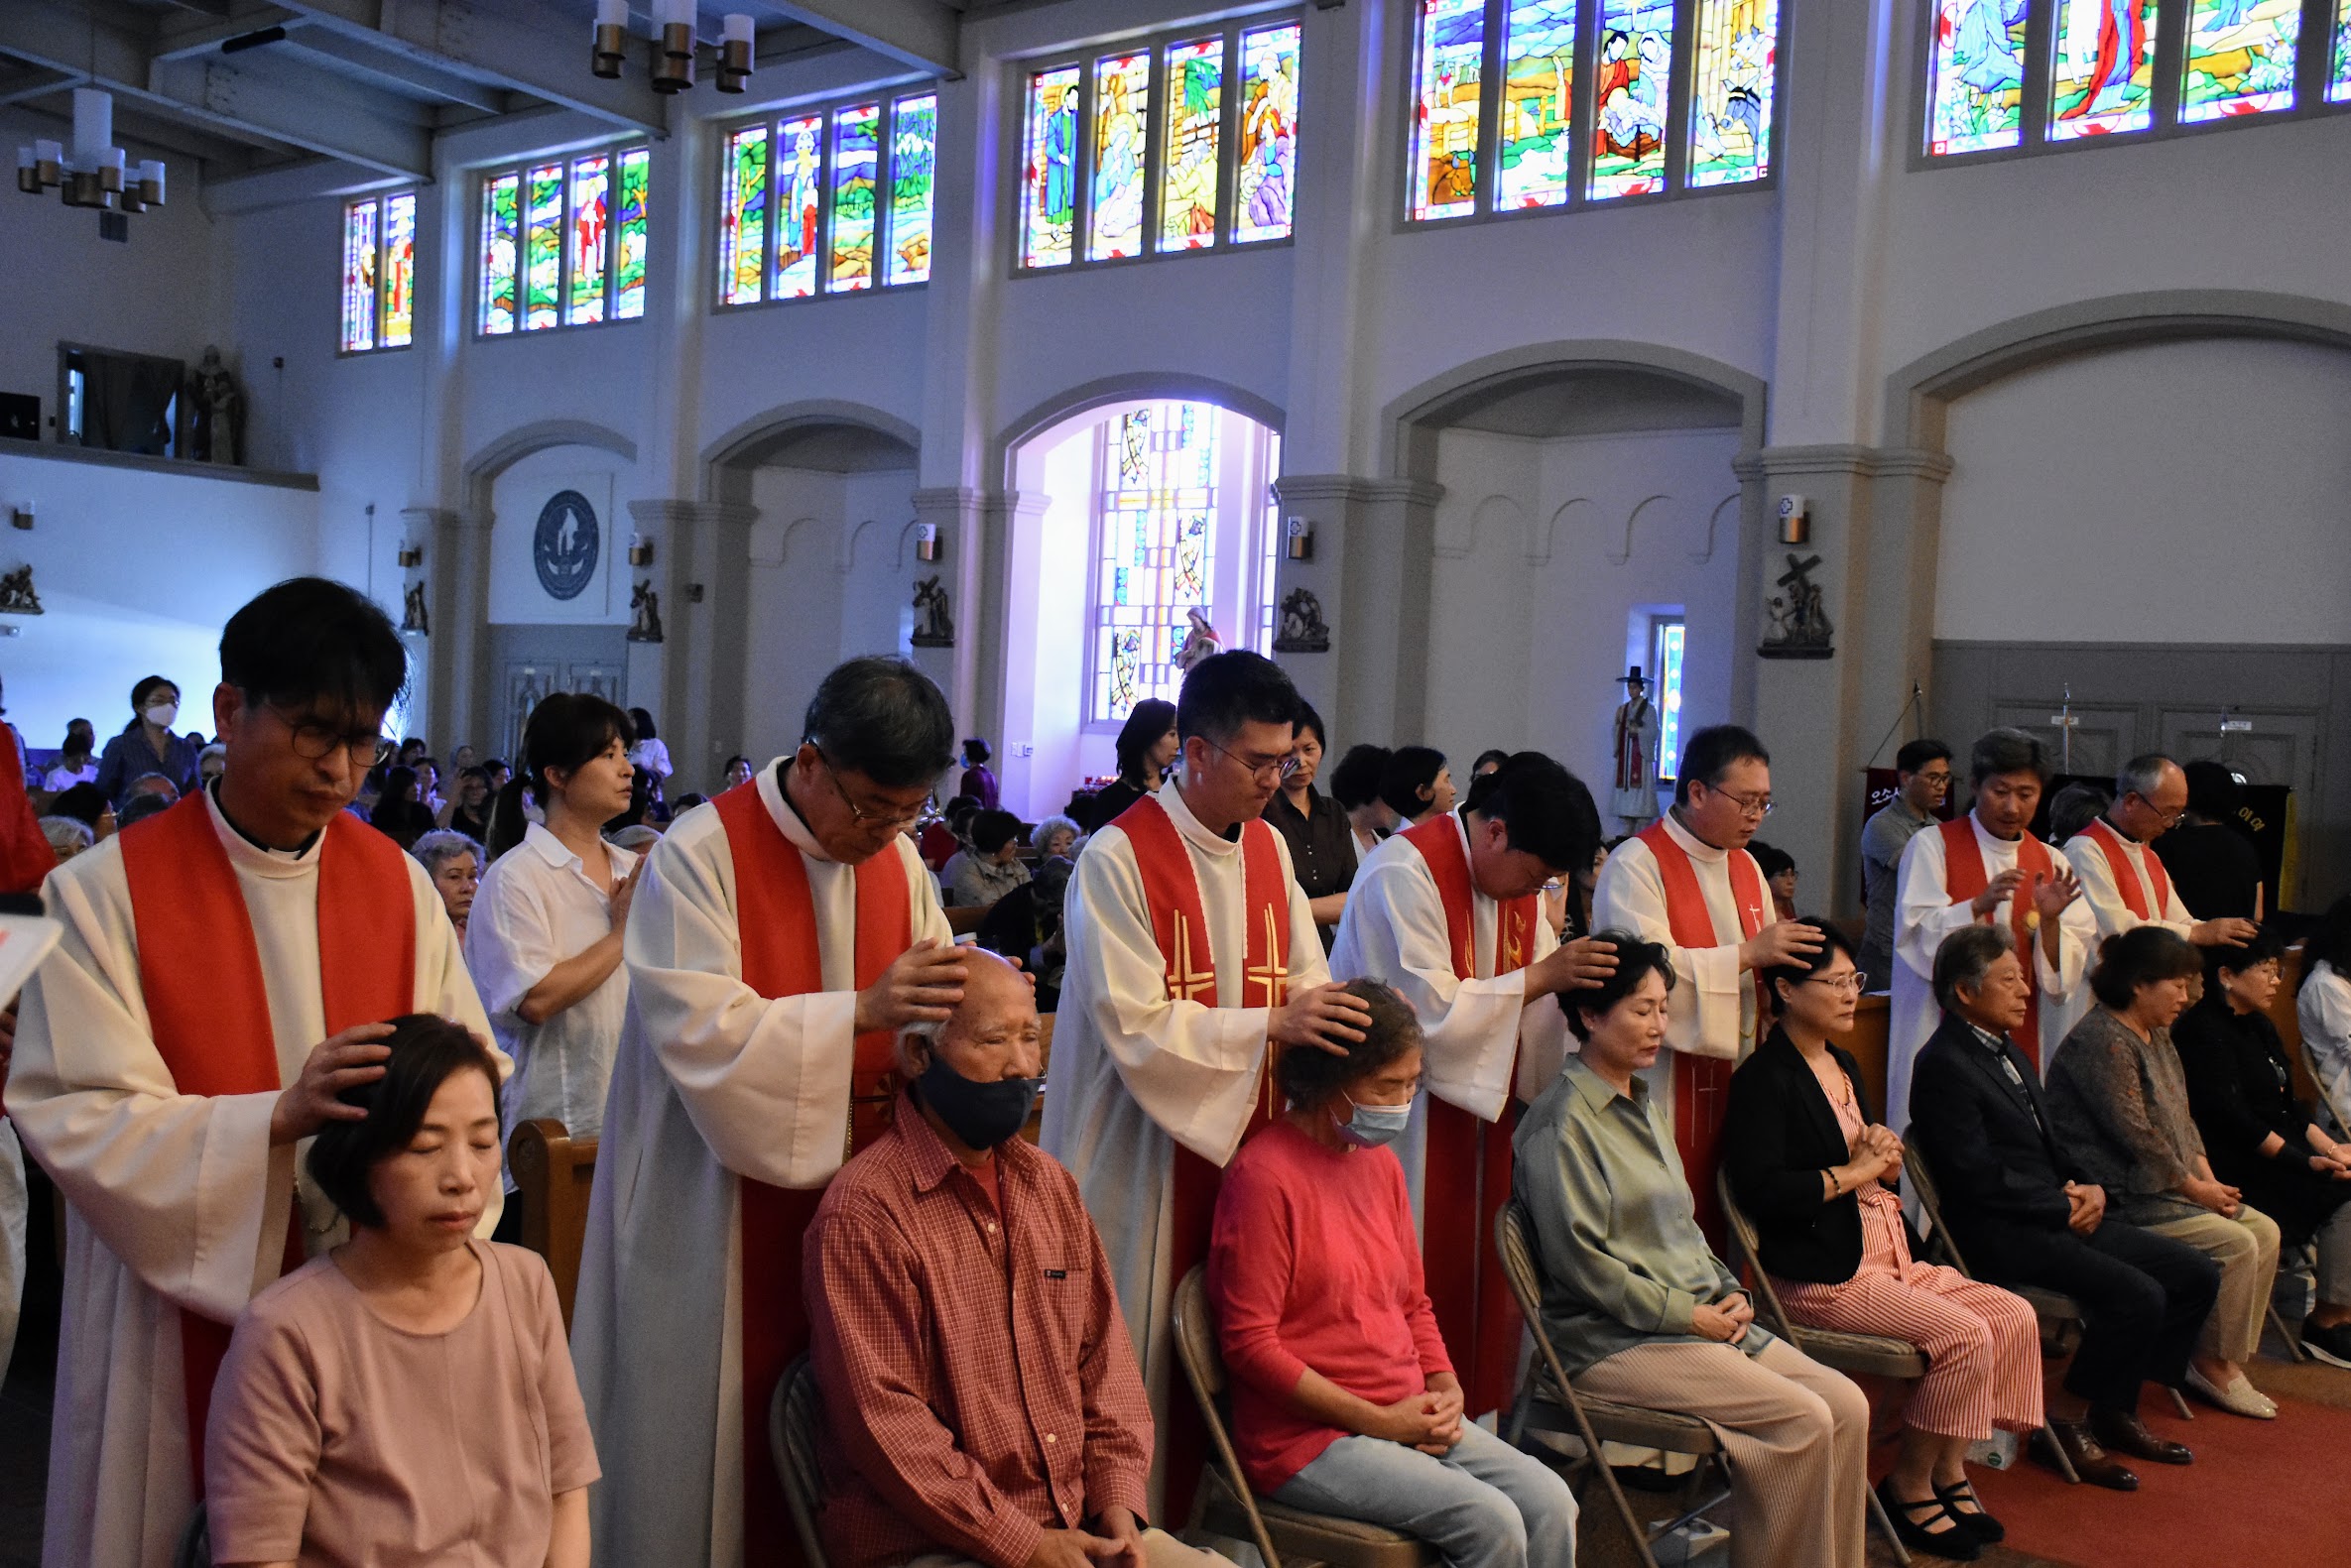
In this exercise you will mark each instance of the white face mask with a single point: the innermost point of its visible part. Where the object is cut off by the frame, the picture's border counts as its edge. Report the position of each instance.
(161, 714)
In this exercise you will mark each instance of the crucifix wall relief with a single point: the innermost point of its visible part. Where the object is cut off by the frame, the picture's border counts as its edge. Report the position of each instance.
(1795, 619)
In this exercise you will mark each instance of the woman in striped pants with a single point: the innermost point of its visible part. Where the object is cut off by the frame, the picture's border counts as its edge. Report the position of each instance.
(1816, 1175)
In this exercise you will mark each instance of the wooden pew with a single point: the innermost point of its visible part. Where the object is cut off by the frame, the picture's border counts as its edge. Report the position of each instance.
(552, 1173)
(964, 919)
(2290, 1024)
(1867, 1042)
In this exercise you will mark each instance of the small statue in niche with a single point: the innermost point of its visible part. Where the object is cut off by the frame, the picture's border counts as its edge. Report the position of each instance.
(1200, 643)
(645, 613)
(16, 593)
(934, 626)
(219, 436)
(414, 617)
(1799, 625)
(1301, 628)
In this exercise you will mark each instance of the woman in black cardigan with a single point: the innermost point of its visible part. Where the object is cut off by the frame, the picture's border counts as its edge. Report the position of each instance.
(1816, 1174)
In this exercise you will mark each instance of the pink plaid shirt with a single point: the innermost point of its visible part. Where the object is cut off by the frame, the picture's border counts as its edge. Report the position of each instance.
(979, 1383)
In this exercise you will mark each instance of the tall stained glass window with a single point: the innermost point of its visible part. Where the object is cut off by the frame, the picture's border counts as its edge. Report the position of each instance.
(1976, 97)
(1175, 144)
(1269, 548)
(2338, 80)
(914, 162)
(1122, 115)
(2102, 80)
(563, 243)
(2240, 58)
(1668, 642)
(1154, 551)
(1533, 105)
(1449, 83)
(379, 273)
(1537, 98)
(823, 202)
(1731, 91)
(1267, 166)
(1195, 117)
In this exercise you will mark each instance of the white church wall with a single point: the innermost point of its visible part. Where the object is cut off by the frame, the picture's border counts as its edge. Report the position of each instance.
(865, 349)
(518, 496)
(2181, 492)
(877, 591)
(795, 602)
(1045, 748)
(137, 572)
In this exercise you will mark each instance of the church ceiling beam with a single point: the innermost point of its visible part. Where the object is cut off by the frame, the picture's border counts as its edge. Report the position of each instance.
(922, 33)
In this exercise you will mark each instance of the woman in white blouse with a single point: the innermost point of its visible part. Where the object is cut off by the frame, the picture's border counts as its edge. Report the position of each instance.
(544, 935)
(2323, 1009)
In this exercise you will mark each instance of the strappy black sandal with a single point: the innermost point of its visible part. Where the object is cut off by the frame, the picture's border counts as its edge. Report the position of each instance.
(1979, 1524)
(1958, 1543)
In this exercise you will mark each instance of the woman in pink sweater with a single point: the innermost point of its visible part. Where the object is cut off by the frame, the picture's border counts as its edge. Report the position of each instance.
(1344, 1400)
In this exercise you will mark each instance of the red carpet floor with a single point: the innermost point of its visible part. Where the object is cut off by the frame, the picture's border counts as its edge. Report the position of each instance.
(2258, 1493)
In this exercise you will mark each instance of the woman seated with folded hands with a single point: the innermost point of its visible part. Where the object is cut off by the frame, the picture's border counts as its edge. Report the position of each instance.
(1344, 1400)
(1639, 1309)
(1815, 1173)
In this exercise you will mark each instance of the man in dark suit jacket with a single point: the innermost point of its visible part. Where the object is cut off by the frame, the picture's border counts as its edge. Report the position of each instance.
(2020, 1212)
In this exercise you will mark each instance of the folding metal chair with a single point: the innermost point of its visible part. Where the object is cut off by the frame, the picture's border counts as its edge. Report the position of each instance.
(796, 1426)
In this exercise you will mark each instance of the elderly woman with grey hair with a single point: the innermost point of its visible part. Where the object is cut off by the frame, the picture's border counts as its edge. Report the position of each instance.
(455, 862)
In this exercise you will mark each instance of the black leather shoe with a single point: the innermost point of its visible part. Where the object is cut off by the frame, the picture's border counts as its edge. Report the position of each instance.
(1973, 1518)
(1956, 1541)
(2090, 1461)
(2124, 1433)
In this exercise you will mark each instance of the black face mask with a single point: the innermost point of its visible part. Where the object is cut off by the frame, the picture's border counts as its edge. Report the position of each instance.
(982, 1115)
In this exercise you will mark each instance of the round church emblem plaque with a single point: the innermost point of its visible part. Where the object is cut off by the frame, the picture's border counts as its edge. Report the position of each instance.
(564, 548)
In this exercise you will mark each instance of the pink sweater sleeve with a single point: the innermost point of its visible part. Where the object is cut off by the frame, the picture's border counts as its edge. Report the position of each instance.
(1418, 1312)
(1254, 1252)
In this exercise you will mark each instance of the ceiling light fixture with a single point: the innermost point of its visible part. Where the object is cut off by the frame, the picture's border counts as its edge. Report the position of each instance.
(97, 173)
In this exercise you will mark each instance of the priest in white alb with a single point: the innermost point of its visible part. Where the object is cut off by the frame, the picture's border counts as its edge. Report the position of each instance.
(1192, 947)
(1987, 867)
(224, 972)
(779, 937)
(1448, 913)
(2123, 880)
(1686, 882)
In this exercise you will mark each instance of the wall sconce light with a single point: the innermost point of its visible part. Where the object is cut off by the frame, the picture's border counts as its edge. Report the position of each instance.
(734, 53)
(640, 551)
(1795, 519)
(927, 541)
(1301, 534)
(22, 517)
(411, 554)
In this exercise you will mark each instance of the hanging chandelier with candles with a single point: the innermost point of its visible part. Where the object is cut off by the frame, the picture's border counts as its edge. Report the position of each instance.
(672, 45)
(97, 175)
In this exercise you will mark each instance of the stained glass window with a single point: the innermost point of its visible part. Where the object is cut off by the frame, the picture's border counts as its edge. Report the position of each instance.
(1156, 549)
(2102, 80)
(1976, 100)
(359, 277)
(914, 160)
(636, 171)
(501, 205)
(1194, 116)
(1538, 90)
(1048, 216)
(1268, 545)
(1122, 115)
(399, 271)
(743, 216)
(563, 243)
(2240, 58)
(1266, 186)
(2338, 83)
(1731, 94)
(1668, 642)
(1450, 80)
(1630, 92)
(814, 202)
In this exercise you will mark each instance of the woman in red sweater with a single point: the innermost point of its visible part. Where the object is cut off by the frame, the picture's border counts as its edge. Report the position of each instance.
(1344, 1399)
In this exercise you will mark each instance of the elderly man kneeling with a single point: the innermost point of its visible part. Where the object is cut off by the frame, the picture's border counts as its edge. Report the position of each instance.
(980, 1389)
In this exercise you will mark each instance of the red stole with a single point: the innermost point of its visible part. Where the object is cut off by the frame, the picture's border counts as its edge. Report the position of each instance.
(1964, 877)
(2126, 876)
(1180, 924)
(782, 956)
(1466, 1176)
(25, 855)
(208, 1010)
(1702, 1084)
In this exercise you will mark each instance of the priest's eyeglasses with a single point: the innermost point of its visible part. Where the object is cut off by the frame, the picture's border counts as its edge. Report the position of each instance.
(1280, 768)
(878, 817)
(1755, 805)
(315, 741)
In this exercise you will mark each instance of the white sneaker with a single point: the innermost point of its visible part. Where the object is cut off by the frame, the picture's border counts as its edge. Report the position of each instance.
(2240, 1397)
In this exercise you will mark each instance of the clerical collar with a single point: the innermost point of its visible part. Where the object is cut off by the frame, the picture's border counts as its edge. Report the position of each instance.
(1231, 835)
(1985, 832)
(297, 853)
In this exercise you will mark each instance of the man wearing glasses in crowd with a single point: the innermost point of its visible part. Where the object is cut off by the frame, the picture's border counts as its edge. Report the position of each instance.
(1686, 882)
(222, 977)
(1922, 782)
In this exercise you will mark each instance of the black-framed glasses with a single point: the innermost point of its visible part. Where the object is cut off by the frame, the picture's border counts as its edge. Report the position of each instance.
(315, 741)
(858, 814)
(1282, 768)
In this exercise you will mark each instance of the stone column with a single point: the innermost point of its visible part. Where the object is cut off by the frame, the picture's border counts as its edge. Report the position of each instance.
(1373, 543)
(702, 572)
(971, 567)
(456, 547)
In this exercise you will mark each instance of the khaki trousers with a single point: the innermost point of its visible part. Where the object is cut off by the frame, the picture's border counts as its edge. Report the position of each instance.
(1797, 1435)
(2246, 1247)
